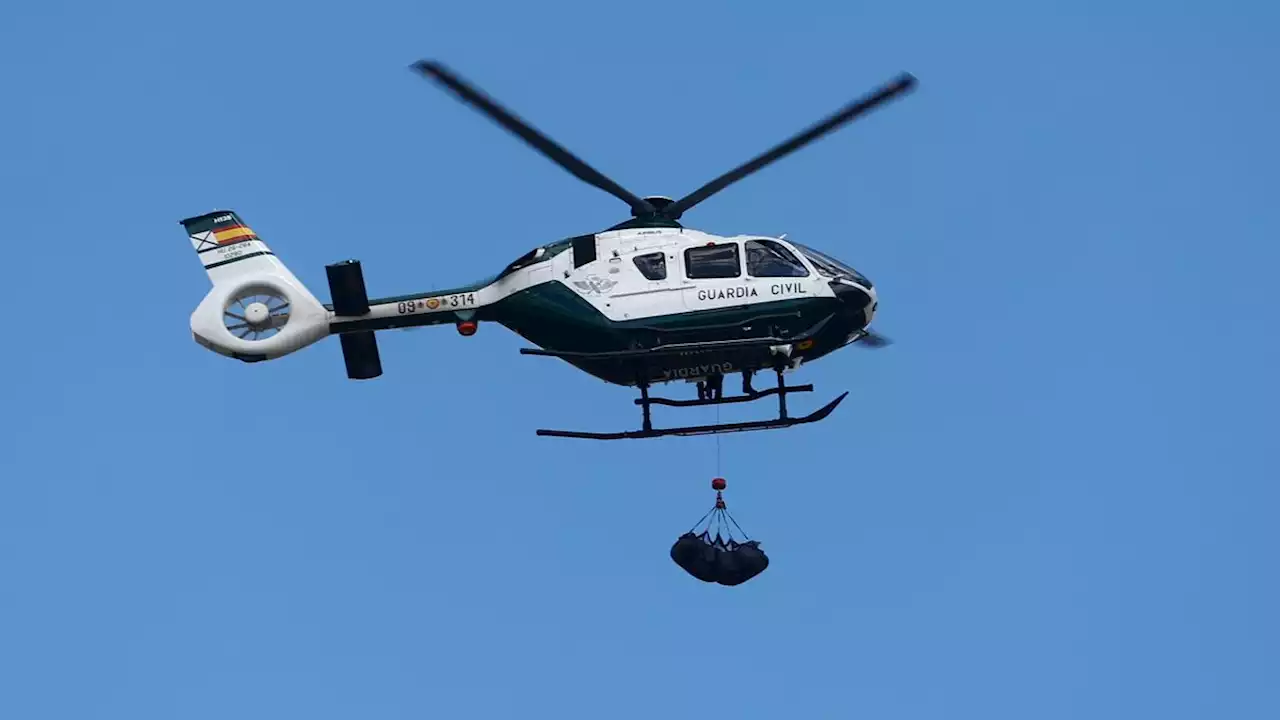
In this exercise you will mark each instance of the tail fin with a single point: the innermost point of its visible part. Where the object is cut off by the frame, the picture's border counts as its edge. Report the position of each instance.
(257, 309)
(227, 246)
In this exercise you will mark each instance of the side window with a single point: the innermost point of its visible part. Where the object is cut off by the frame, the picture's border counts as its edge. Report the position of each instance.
(652, 265)
(766, 258)
(712, 261)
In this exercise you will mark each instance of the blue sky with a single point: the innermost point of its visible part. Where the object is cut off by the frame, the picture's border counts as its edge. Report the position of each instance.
(1052, 498)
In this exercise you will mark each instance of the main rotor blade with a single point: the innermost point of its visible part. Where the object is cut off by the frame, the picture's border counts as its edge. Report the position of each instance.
(540, 142)
(902, 84)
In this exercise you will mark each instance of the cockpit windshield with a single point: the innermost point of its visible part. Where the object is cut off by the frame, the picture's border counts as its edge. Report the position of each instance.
(828, 266)
(536, 255)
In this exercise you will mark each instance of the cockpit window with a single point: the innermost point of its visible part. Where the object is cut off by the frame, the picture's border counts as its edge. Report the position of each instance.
(768, 258)
(712, 261)
(652, 265)
(534, 256)
(527, 259)
(828, 266)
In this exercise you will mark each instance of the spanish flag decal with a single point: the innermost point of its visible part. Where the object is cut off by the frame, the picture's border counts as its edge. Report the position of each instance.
(233, 234)
(219, 229)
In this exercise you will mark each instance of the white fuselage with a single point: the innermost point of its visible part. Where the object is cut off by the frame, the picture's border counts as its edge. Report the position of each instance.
(634, 274)
(627, 281)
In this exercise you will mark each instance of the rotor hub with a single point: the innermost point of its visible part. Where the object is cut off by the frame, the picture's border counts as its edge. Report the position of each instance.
(257, 314)
(657, 201)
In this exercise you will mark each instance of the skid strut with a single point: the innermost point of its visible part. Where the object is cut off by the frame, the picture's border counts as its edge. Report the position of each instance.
(648, 431)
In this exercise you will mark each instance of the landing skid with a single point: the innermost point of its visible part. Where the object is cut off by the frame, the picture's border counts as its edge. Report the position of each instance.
(648, 431)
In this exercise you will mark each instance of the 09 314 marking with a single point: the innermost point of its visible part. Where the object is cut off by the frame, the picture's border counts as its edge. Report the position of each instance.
(446, 302)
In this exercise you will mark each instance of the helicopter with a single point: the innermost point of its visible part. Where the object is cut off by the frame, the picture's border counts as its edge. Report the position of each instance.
(647, 301)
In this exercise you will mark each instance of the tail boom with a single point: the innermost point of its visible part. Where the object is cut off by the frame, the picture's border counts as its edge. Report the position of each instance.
(258, 310)
(437, 308)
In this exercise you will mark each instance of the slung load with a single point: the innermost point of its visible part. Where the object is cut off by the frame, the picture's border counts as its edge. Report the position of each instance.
(713, 555)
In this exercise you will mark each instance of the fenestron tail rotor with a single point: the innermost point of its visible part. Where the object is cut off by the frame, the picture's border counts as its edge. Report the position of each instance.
(256, 314)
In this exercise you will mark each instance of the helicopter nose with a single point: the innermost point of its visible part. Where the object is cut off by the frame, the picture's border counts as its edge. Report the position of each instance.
(857, 303)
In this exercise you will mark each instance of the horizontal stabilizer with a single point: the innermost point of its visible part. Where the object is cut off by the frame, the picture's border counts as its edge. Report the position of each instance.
(360, 353)
(351, 299)
(346, 288)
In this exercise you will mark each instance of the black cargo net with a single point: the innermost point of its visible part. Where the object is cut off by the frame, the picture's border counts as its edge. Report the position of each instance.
(715, 555)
